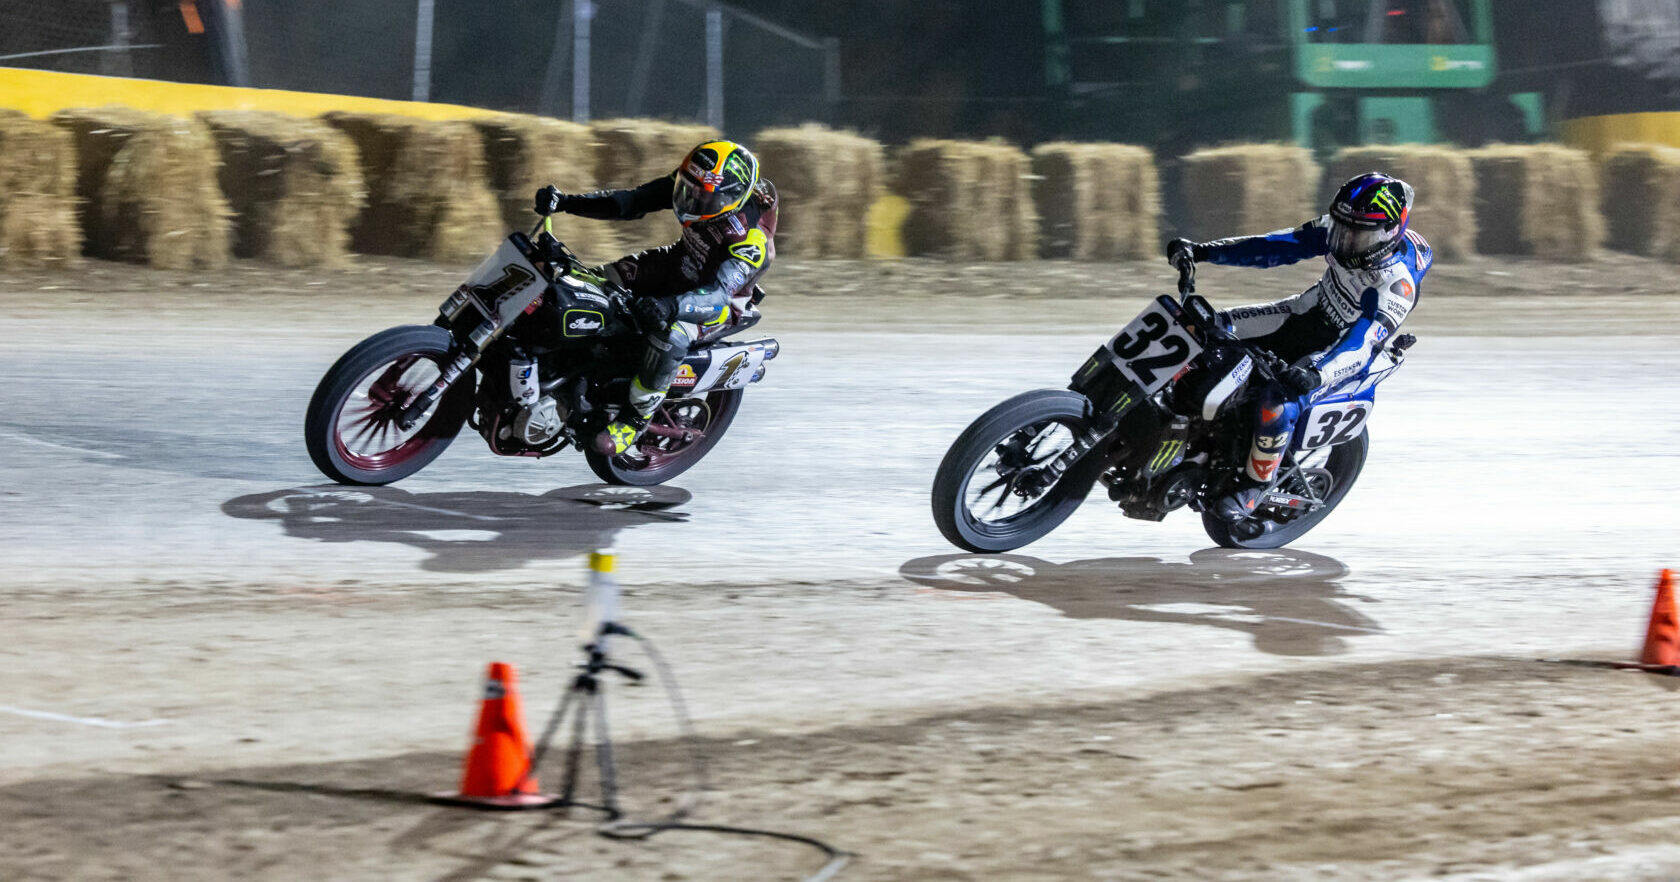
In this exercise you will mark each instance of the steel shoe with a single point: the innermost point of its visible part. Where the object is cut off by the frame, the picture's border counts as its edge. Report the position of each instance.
(619, 436)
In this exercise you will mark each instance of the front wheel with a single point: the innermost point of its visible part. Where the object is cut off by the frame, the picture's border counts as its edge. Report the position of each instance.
(657, 457)
(351, 429)
(992, 492)
(1329, 481)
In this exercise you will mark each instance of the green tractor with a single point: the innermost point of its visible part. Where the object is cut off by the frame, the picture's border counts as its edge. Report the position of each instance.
(1321, 73)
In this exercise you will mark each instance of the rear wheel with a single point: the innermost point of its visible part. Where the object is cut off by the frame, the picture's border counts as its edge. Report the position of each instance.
(992, 492)
(658, 458)
(1328, 480)
(351, 428)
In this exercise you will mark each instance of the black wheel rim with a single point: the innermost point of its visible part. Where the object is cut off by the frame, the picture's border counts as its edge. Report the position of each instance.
(1008, 485)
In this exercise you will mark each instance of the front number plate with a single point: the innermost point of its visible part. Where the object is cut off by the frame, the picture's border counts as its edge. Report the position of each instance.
(505, 285)
(1152, 349)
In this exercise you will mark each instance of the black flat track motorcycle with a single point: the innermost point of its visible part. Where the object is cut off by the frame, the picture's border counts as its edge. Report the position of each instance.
(532, 315)
(1160, 416)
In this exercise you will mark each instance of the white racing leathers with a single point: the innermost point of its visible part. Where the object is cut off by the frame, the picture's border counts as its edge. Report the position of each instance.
(1336, 326)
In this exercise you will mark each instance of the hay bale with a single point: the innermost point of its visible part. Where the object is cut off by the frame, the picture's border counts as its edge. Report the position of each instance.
(148, 188)
(630, 152)
(969, 200)
(1443, 179)
(1249, 188)
(1097, 201)
(295, 186)
(1539, 199)
(525, 153)
(428, 196)
(826, 180)
(1641, 199)
(37, 195)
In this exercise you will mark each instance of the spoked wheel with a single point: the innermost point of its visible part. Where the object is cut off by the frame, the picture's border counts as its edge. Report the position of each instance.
(1325, 475)
(992, 492)
(660, 456)
(352, 429)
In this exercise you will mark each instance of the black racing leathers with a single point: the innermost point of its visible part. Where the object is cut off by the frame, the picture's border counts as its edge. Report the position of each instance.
(709, 271)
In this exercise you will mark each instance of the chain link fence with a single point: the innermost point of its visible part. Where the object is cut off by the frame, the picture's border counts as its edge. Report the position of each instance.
(692, 60)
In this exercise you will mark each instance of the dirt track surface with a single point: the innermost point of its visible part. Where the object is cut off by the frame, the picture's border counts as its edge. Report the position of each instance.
(1466, 769)
(184, 599)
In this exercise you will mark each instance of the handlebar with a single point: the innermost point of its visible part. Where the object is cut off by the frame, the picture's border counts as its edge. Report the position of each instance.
(1186, 276)
(1266, 364)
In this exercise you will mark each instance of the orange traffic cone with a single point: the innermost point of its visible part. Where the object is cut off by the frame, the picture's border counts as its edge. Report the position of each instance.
(498, 770)
(1662, 638)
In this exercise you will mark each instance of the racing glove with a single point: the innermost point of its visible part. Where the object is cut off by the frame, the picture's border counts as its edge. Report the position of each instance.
(654, 313)
(550, 201)
(1299, 379)
(1179, 249)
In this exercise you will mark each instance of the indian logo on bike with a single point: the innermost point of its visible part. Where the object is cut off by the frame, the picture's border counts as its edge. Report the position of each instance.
(582, 322)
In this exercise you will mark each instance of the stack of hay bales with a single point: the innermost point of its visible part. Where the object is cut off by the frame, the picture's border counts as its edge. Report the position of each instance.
(1539, 199)
(969, 200)
(147, 185)
(1097, 201)
(1641, 202)
(37, 195)
(631, 152)
(1249, 188)
(428, 196)
(826, 181)
(526, 153)
(1443, 179)
(295, 186)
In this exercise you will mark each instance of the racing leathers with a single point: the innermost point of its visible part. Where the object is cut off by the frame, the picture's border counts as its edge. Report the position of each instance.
(1328, 333)
(684, 289)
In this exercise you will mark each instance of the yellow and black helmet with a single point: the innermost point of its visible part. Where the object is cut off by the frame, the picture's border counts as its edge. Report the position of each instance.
(715, 179)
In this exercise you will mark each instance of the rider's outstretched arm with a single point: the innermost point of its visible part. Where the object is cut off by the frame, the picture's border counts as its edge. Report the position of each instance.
(655, 195)
(1277, 248)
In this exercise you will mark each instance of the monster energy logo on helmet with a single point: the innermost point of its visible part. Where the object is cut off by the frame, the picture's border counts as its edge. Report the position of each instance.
(1368, 219)
(714, 179)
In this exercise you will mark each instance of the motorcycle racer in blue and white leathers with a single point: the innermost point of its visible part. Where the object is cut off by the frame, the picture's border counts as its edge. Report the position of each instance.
(1330, 332)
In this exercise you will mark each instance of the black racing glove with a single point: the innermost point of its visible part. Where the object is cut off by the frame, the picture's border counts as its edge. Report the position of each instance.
(550, 201)
(654, 313)
(1179, 250)
(1299, 379)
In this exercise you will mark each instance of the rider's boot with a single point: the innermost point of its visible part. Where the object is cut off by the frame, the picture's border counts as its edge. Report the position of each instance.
(622, 433)
(1260, 473)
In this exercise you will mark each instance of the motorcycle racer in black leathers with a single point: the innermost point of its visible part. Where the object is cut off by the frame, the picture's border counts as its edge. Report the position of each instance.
(1374, 270)
(683, 289)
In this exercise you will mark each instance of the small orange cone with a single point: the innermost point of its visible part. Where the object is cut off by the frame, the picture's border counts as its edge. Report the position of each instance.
(497, 772)
(1662, 639)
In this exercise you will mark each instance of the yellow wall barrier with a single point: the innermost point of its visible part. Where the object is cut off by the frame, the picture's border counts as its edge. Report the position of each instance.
(1600, 133)
(42, 93)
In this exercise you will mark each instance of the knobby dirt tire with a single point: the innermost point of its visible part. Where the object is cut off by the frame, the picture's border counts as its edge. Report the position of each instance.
(1346, 461)
(950, 484)
(321, 424)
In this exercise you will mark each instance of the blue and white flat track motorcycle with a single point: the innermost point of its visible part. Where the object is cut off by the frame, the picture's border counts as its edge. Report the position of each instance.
(1161, 416)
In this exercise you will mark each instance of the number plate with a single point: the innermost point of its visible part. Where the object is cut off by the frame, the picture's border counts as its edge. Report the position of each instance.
(1330, 424)
(505, 285)
(1151, 350)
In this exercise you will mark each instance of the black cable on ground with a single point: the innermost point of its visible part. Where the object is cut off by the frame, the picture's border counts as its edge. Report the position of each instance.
(623, 829)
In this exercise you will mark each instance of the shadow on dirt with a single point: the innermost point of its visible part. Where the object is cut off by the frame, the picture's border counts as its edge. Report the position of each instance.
(470, 532)
(1288, 600)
